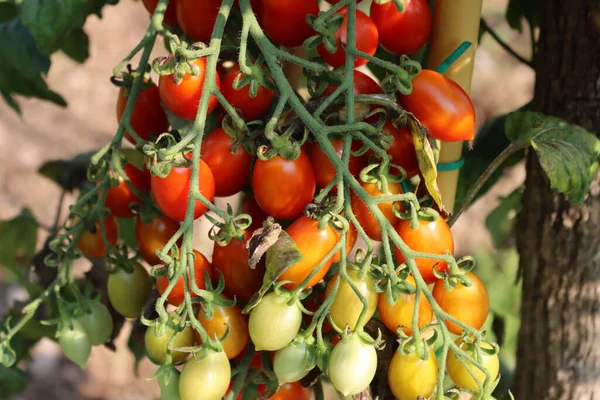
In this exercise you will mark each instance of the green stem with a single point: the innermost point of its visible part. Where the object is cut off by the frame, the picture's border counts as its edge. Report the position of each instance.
(505, 45)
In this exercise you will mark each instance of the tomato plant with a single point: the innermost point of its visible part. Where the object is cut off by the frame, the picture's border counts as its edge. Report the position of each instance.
(176, 296)
(251, 207)
(460, 374)
(402, 148)
(292, 363)
(153, 236)
(351, 238)
(284, 21)
(241, 99)
(292, 391)
(325, 172)
(209, 376)
(346, 307)
(410, 377)
(352, 365)
(157, 342)
(273, 323)
(92, 244)
(128, 291)
(120, 198)
(363, 84)
(170, 17)
(75, 343)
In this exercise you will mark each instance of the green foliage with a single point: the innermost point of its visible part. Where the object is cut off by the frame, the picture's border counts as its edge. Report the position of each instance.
(12, 381)
(18, 237)
(68, 174)
(518, 9)
(77, 46)
(501, 221)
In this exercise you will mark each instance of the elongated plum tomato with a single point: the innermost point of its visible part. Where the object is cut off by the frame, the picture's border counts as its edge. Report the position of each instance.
(98, 323)
(273, 324)
(314, 244)
(410, 377)
(251, 207)
(156, 342)
(153, 236)
(148, 119)
(324, 169)
(183, 99)
(284, 21)
(129, 291)
(171, 192)
(230, 170)
(442, 106)
(432, 237)
(363, 84)
(231, 260)
(292, 362)
(402, 149)
(367, 40)
(177, 295)
(401, 313)
(346, 307)
(468, 304)
(120, 198)
(351, 237)
(402, 32)
(75, 343)
(364, 216)
(170, 17)
(284, 187)
(460, 374)
(92, 244)
(352, 365)
(197, 18)
(249, 107)
(207, 378)
(223, 319)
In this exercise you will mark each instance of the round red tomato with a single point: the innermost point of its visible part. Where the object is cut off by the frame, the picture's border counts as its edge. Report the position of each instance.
(170, 17)
(249, 107)
(197, 18)
(430, 237)
(292, 391)
(148, 119)
(92, 244)
(231, 171)
(364, 216)
(363, 84)
(120, 198)
(324, 170)
(284, 187)
(442, 106)
(176, 297)
(183, 99)
(284, 21)
(406, 32)
(241, 281)
(171, 192)
(367, 40)
(153, 236)
(251, 207)
(402, 149)
(314, 244)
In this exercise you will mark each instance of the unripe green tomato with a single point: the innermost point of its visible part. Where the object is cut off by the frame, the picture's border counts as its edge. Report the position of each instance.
(75, 343)
(292, 363)
(128, 292)
(157, 342)
(352, 365)
(273, 324)
(461, 376)
(205, 379)
(98, 323)
(170, 390)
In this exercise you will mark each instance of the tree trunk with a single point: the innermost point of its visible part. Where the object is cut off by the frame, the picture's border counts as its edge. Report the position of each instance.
(558, 355)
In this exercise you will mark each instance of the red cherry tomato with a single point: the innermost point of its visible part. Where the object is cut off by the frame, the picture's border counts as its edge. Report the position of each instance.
(284, 187)
(170, 17)
(171, 192)
(364, 216)
(197, 18)
(367, 40)
(402, 149)
(363, 84)
(241, 281)
(292, 391)
(284, 21)
(120, 198)
(230, 170)
(176, 297)
(153, 236)
(406, 32)
(442, 106)
(183, 99)
(324, 170)
(148, 119)
(92, 244)
(251, 207)
(430, 237)
(249, 107)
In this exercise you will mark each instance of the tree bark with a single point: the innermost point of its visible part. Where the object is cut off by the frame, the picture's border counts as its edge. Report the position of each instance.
(558, 356)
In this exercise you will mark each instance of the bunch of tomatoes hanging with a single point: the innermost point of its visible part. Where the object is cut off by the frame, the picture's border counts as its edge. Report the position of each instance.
(310, 322)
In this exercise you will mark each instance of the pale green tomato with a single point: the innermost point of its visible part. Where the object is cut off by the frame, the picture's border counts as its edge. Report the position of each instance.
(352, 365)
(75, 343)
(128, 292)
(98, 323)
(273, 324)
(205, 379)
(293, 362)
(156, 343)
(170, 390)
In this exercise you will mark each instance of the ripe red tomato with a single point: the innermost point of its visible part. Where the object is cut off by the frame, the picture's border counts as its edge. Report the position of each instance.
(171, 192)
(314, 244)
(284, 21)
(148, 119)
(153, 236)
(250, 107)
(284, 187)
(197, 18)
(442, 106)
(241, 281)
(170, 17)
(363, 84)
(292, 391)
(255, 4)
(120, 198)
(251, 207)
(351, 237)
(364, 216)
(92, 244)
(468, 304)
(176, 297)
(231, 171)
(406, 32)
(183, 99)
(367, 40)
(324, 170)
(429, 237)
(402, 149)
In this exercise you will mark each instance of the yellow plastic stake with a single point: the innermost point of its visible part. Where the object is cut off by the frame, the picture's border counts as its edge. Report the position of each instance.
(454, 22)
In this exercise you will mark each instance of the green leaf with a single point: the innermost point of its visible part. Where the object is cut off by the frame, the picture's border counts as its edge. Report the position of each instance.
(518, 9)
(18, 237)
(568, 153)
(502, 220)
(127, 231)
(12, 381)
(77, 46)
(136, 345)
(68, 174)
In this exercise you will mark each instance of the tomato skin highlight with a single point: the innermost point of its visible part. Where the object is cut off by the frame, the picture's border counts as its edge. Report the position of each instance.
(363, 214)
(402, 33)
(183, 99)
(153, 236)
(171, 192)
(170, 17)
(324, 170)
(429, 237)
(284, 21)
(273, 324)
(92, 244)
(148, 118)
(367, 40)
(197, 18)
(461, 376)
(442, 106)
(231, 171)
(177, 295)
(250, 107)
(410, 377)
(284, 187)
(209, 377)
(346, 307)
(468, 304)
(120, 198)
(128, 292)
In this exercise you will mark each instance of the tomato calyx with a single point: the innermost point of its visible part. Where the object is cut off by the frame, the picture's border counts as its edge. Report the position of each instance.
(326, 24)
(456, 273)
(179, 62)
(125, 79)
(283, 145)
(233, 227)
(418, 343)
(380, 175)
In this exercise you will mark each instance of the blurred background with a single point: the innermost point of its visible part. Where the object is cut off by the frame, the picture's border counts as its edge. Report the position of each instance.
(45, 131)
